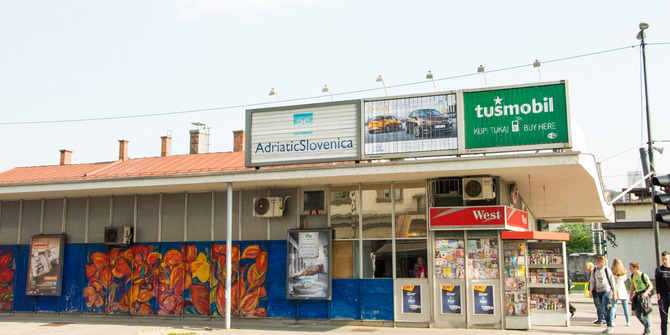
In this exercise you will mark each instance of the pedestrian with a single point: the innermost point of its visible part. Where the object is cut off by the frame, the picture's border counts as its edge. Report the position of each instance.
(640, 288)
(662, 277)
(603, 282)
(619, 272)
(588, 266)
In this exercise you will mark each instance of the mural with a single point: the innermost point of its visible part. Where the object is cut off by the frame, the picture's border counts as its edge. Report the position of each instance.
(198, 270)
(146, 270)
(7, 270)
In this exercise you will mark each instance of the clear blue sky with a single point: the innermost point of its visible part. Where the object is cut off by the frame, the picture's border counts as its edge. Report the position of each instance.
(73, 60)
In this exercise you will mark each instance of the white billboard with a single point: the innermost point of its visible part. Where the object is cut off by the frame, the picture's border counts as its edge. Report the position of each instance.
(303, 134)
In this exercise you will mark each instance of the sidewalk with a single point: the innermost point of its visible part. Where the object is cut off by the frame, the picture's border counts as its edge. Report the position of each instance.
(581, 323)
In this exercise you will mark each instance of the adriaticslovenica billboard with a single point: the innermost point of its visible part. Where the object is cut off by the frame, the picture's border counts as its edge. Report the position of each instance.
(303, 134)
(520, 116)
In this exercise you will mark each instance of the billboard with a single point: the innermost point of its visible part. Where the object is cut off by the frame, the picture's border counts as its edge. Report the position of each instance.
(45, 268)
(532, 116)
(478, 217)
(410, 126)
(308, 264)
(303, 134)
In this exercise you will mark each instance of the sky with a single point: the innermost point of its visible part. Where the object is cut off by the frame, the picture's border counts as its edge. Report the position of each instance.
(81, 75)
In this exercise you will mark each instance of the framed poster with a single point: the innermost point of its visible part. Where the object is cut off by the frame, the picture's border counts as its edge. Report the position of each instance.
(45, 270)
(308, 264)
(411, 299)
(451, 299)
(483, 298)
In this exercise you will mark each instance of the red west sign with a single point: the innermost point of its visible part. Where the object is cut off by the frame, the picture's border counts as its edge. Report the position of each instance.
(479, 217)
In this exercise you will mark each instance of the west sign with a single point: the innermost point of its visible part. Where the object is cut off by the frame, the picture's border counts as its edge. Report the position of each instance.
(530, 116)
(478, 217)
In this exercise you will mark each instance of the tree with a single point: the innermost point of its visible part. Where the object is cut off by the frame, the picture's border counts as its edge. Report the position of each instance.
(581, 239)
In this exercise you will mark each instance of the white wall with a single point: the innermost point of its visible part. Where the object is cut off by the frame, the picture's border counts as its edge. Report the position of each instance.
(638, 245)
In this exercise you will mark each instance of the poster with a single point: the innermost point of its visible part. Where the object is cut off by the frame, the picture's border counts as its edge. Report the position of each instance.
(308, 264)
(451, 299)
(411, 299)
(45, 269)
(483, 297)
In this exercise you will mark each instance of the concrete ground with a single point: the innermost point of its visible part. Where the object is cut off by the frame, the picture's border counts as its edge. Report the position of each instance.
(11, 324)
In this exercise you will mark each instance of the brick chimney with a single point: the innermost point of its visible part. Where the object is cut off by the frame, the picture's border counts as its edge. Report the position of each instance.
(123, 150)
(238, 140)
(165, 146)
(65, 157)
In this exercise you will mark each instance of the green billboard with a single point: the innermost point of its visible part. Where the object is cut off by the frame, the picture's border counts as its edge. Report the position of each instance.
(536, 115)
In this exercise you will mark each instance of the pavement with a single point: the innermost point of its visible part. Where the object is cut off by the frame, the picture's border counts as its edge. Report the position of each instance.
(40, 323)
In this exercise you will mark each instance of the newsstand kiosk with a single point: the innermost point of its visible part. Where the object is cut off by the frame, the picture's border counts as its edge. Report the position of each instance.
(535, 283)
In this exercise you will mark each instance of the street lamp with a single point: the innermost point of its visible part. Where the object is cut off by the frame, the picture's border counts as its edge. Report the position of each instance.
(274, 92)
(380, 78)
(327, 89)
(429, 75)
(481, 69)
(650, 143)
(537, 64)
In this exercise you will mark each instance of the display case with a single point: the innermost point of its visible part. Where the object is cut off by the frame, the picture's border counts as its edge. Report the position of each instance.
(516, 285)
(547, 283)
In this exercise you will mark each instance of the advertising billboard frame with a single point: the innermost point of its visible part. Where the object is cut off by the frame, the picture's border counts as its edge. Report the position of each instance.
(297, 109)
(44, 264)
(309, 274)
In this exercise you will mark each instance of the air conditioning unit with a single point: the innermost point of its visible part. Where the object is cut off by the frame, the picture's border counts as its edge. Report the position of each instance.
(268, 207)
(480, 188)
(118, 235)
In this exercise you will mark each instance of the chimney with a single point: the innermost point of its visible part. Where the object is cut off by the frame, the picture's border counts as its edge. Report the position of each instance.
(65, 157)
(198, 141)
(123, 150)
(238, 140)
(165, 146)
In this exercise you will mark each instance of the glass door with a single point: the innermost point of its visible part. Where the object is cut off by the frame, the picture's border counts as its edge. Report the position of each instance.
(483, 279)
(449, 264)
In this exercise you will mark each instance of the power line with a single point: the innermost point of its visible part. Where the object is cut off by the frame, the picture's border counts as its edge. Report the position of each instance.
(305, 98)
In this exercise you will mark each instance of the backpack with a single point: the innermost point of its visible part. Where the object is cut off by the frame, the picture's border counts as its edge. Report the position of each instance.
(593, 289)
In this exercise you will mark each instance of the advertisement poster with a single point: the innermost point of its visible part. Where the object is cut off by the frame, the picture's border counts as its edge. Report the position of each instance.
(516, 116)
(413, 126)
(451, 299)
(45, 269)
(411, 299)
(483, 297)
(308, 264)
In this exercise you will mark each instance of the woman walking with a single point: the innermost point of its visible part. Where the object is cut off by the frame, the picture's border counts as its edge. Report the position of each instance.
(640, 288)
(619, 272)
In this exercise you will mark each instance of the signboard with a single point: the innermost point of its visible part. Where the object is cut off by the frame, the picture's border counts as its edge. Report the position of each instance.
(482, 217)
(45, 270)
(411, 299)
(512, 117)
(483, 299)
(451, 299)
(308, 264)
(303, 134)
(410, 126)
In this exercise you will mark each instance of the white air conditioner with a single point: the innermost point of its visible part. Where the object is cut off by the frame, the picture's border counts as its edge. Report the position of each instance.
(118, 235)
(480, 188)
(268, 207)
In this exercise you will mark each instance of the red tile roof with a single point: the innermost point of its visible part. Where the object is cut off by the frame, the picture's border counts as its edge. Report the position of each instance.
(139, 167)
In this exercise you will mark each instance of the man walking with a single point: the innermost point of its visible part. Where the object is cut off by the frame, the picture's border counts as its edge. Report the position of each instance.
(663, 290)
(602, 280)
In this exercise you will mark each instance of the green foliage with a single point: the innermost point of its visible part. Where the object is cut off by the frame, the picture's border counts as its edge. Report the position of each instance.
(581, 239)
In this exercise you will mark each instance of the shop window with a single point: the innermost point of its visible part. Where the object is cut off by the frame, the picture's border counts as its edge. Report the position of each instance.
(377, 259)
(345, 259)
(344, 210)
(483, 256)
(411, 261)
(377, 217)
(385, 195)
(410, 215)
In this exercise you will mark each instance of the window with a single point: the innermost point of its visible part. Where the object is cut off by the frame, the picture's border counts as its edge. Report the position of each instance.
(620, 215)
(344, 209)
(410, 215)
(377, 259)
(411, 261)
(377, 216)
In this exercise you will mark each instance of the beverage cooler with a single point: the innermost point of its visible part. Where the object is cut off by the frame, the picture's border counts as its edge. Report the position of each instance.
(535, 281)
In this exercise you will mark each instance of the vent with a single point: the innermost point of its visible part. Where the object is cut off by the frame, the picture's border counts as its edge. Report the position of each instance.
(268, 207)
(447, 187)
(118, 235)
(478, 188)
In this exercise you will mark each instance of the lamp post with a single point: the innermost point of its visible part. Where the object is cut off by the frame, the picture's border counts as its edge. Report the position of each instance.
(650, 144)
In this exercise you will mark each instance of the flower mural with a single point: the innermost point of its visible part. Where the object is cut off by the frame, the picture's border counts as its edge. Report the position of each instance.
(118, 291)
(198, 270)
(6, 279)
(98, 278)
(146, 270)
(171, 282)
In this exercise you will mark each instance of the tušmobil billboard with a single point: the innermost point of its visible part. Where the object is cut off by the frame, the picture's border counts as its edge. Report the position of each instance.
(535, 115)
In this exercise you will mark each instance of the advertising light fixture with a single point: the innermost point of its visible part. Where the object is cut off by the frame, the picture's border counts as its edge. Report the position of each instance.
(275, 93)
(381, 79)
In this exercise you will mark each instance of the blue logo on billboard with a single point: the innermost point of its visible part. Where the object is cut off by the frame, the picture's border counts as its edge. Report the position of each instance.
(302, 123)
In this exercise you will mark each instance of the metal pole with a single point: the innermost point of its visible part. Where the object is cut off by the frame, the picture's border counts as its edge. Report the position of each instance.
(229, 249)
(650, 149)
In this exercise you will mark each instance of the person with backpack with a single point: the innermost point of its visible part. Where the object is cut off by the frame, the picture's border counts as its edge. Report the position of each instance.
(640, 288)
(602, 280)
(589, 293)
(620, 277)
(662, 276)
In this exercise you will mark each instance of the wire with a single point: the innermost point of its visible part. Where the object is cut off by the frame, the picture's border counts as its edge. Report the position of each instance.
(303, 98)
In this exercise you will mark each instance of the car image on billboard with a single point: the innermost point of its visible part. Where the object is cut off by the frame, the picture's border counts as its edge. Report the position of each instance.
(428, 121)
